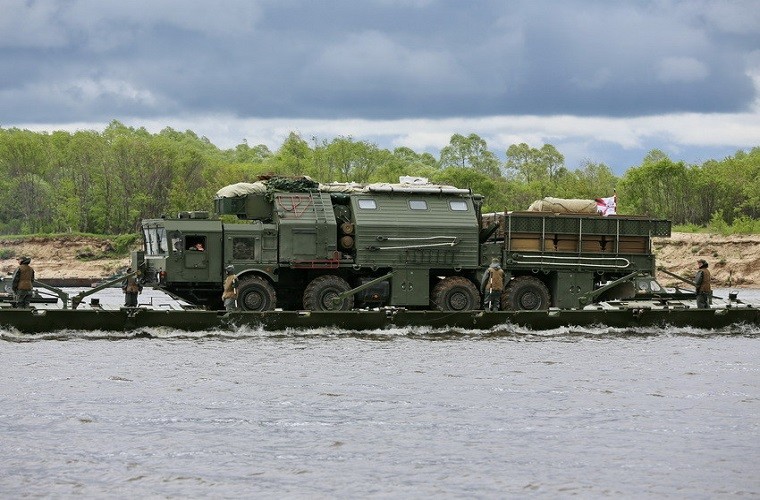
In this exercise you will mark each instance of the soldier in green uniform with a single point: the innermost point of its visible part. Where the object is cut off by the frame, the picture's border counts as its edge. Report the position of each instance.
(22, 282)
(702, 280)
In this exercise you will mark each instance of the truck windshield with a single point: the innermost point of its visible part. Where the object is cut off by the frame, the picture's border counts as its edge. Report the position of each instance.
(155, 240)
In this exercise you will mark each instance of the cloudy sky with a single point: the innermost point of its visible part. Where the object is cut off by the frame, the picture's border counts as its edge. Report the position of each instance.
(602, 81)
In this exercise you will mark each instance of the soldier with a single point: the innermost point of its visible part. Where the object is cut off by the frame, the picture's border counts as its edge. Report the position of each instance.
(702, 281)
(230, 289)
(22, 282)
(131, 288)
(492, 284)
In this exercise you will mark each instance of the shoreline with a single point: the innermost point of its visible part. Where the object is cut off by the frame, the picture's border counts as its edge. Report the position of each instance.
(734, 260)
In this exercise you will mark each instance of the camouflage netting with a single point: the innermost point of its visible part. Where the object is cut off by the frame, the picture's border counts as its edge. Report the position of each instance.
(290, 185)
(269, 187)
(274, 185)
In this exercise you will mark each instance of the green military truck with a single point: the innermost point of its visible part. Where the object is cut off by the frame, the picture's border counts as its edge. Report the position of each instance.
(413, 245)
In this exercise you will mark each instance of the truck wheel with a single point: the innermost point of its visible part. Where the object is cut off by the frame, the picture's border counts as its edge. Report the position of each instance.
(319, 294)
(526, 293)
(455, 293)
(256, 294)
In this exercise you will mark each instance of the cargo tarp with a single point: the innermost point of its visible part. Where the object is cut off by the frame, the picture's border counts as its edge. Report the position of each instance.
(561, 205)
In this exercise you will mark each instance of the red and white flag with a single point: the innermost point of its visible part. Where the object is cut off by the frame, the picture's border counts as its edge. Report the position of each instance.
(607, 206)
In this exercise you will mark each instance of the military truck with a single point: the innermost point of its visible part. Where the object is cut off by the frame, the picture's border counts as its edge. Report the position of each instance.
(414, 245)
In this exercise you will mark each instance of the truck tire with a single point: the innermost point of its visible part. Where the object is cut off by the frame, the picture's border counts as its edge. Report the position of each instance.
(525, 293)
(455, 293)
(256, 294)
(320, 292)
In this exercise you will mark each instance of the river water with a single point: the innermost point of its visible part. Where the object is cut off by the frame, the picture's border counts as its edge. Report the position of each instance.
(407, 413)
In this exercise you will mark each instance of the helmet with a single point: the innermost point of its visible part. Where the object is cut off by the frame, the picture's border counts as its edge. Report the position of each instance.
(230, 269)
(25, 260)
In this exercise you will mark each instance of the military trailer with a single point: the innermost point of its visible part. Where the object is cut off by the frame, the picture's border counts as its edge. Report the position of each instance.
(560, 260)
(413, 245)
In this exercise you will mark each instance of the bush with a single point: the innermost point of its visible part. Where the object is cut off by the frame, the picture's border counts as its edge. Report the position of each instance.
(86, 253)
(745, 225)
(688, 228)
(7, 253)
(123, 243)
(740, 225)
(718, 224)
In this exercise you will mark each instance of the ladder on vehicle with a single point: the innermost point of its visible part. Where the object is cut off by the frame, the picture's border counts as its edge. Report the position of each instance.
(319, 207)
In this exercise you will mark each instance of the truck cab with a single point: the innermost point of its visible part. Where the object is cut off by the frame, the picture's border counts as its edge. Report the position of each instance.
(186, 252)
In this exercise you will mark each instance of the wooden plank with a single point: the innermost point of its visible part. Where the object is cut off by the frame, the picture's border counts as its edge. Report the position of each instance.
(561, 243)
(597, 245)
(532, 244)
(632, 244)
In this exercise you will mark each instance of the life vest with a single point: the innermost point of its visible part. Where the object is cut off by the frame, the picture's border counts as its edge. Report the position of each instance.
(131, 285)
(25, 277)
(705, 287)
(230, 287)
(495, 278)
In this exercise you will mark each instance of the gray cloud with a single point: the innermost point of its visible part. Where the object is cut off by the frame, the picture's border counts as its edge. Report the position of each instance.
(93, 60)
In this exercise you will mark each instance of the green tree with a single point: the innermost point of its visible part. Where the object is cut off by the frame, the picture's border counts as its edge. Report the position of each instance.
(592, 180)
(404, 161)
(659, 187)
(352, 161)
(26, 160)
(243, 153)
(293, 158)
(84, 161)
(470, 152)
(105, 182)
(534, 165)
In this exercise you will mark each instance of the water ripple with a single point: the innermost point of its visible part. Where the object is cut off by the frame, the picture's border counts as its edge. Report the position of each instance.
(509, 332)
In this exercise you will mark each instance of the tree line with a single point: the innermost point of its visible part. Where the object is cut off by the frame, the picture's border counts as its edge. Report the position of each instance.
(105, 182)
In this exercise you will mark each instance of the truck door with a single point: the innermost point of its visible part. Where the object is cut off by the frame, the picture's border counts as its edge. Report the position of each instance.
(250, 245)
(196, 256)
(200, 254)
